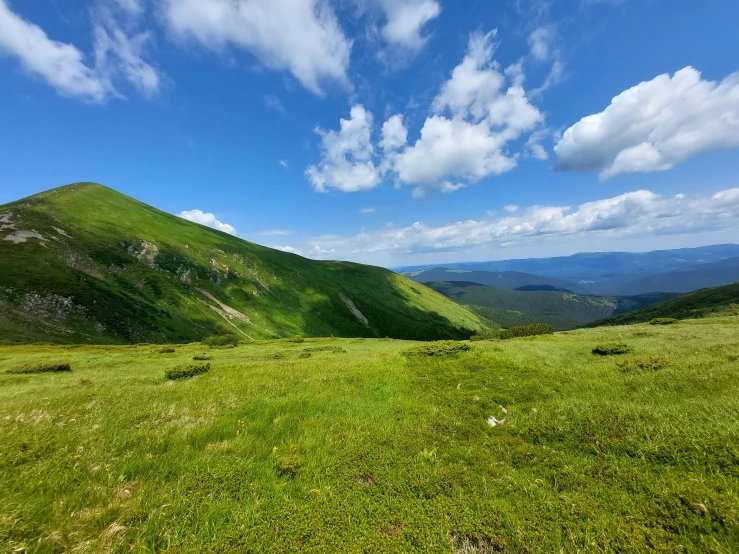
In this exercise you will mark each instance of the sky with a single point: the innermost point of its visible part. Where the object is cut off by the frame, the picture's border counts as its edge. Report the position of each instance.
(391, 132)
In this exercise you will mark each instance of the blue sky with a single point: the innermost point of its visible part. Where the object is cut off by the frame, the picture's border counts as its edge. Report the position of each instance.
(393, 132)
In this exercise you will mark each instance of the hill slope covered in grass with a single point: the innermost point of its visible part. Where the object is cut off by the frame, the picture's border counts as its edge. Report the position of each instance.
(561, 310)
(83, 263)
(717, 301)
(365, 445)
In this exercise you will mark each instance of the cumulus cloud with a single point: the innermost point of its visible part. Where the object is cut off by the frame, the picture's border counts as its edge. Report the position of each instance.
(394, 133)
(61, 65)
(654, 126)
(479, 111)
(117, 53)
(540, 43)
(207, 219)
(346, 159)
(639, 213)
(299, 36)
(289, 249)
(405, 20)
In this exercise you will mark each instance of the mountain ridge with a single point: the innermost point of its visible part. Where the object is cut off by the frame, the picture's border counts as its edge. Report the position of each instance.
(84, 263)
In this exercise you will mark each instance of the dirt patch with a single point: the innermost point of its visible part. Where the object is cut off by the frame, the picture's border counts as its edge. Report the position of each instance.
(474, 544)
(144, 251)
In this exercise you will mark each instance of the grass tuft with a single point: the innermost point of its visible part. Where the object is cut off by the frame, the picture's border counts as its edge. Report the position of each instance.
(202, 358)
(334, 349)
(650, 363)
(167, 350)
(185, 371)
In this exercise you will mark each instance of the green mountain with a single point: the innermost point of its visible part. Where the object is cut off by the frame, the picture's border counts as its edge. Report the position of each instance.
(84, 263)
(717, 301)
(561, 310)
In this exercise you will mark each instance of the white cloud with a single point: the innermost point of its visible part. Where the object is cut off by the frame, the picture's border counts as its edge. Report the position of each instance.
(394, 133)
(273, 102)
(654, 126)
(488, 108)
(346, 160)
(289, 249)
(540, 42)
(511, 208)
(283, 163)
(368, 210)
(117, 55)
(61, 65)
(207, 219)
(405, 20)
(634, 214)
(479, 111)
(299, 36)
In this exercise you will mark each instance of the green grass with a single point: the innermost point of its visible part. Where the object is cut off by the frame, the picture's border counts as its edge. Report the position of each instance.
(711, 302)
(561, 310)
(375, 451)
(109, 269)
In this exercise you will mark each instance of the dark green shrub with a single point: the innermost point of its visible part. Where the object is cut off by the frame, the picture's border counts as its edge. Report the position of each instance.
(222, 341)
(46, 367)
(167, 350)
(202, 358)
(297, 338)
(187, 370)
(304, 355)
(611, 349)
(438, 348)
(526, 331)
(663, 321)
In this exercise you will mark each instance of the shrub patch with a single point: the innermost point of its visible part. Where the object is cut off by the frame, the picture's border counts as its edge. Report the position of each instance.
(437, 348)
(663, 321)
(611, 349)
(46, 367)
(187, 370)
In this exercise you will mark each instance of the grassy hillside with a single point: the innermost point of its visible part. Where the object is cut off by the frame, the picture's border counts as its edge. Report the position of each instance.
(355, 445)
(713, 302)
(83, 263)
(561, 310)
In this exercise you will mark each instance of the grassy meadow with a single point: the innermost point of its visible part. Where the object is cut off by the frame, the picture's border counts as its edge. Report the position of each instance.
(367, 445)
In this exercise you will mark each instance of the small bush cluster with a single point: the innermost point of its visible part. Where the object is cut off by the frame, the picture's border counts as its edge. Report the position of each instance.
(438, 348)
(663, 321)
(46, 367)
(297, 338)
(167, 350)
(611, 349)
(334, 349)
(202, 358)
(515, 332)
(222, 341)
(187, 370)
(653, 363)
(304, 355)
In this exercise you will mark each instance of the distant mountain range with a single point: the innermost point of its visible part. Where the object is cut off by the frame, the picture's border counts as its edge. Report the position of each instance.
(560, 309)
(617, 273)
